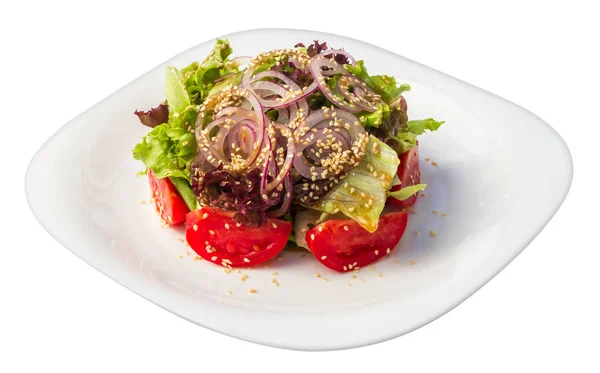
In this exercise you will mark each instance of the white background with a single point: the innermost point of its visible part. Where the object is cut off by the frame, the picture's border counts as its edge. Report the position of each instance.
(59, 58)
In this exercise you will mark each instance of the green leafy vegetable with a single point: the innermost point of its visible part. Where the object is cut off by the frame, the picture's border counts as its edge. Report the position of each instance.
(387, 88)
(383, 85)
(175, 91)
(169, 148)
(404, 142)
(376, 118)
(194, 83)
(361, 195)
(407, 192)
(406, 138)
(417, 127)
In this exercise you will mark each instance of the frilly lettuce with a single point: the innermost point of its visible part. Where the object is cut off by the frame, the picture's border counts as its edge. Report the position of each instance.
(194, 83)
(170, 147)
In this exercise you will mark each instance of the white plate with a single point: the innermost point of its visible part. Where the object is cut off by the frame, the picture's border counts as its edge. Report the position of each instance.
(502, 174)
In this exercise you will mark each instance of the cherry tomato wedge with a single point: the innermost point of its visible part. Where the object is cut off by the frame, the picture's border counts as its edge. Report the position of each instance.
(409, 174)
(343, 245)
(215, 236)
(168, 202)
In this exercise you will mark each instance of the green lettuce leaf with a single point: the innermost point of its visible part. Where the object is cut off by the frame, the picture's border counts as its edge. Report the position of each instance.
(404, 141)
(407, 192)
(175, 91)
(376, 118)
(361, 195)
(169, 148)
(383, 85)
(387, 88)
(406, 138)
(418, 127)
(194, 83)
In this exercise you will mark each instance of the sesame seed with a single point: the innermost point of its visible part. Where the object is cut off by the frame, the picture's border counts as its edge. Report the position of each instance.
(324, 257)
(251, 291)
(317, 275)
(345, 268)
(195, 227)
(396, 261)
(444, 214)
(434, 164)
(211, 231)
(312, 236)
(246, 260)
(372, 268)
(376, 252)
(320, 229)
(427, 159)
(412, 262)
(180, 256)
(205, 215)
(417, 233)
(213, 258)
(229, 292)
(423, 195)
(388, 250)
(434, 212)
(226, 226)
(227, 270)
(432, 233)
(197, 257)
(379, 274)
(346, 228)
(348, 285)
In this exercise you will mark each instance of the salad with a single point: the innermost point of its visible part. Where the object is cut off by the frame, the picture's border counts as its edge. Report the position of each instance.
(295, 147)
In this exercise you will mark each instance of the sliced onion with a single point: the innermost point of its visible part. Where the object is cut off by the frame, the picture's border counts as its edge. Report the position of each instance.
(288, 161)
(323, 125)
(292, 93)
(363, 96)
(230, 121)
(287, 199)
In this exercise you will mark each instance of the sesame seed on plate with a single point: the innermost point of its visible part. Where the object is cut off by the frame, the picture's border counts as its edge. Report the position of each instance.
(379, 274)
(435, 212)
(251, 290)
(444, 214)
(432, 233)
(417, 233)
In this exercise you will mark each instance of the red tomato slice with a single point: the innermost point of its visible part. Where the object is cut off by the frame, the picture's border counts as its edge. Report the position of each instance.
(215, 236)
(409, 174)
(168, 202)
(343, 245)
